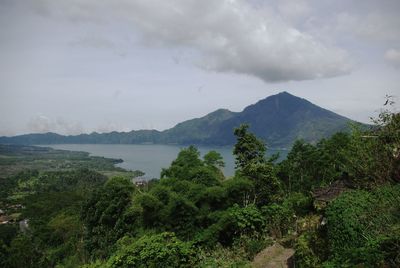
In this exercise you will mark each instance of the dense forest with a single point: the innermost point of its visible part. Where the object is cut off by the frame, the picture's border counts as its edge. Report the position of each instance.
(335, 203)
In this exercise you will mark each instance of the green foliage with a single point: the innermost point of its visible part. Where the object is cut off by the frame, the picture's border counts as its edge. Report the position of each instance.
(181, 168)
(374, 156)
(251, 245)
(17, 158)
(150, 209)
(267, 187)
(239, 190)
(23, 252)
(300, 204)
(309, 166)
(188, 166)
(76, 216)
(181, 215)
(160, 250)
(223, 257)
(212, 198)
(248, 149)
(102, 215)
(363, 226)
(304, 254)
(252, 164)
(279, 218)
(214, 159)
(3, 254)
(247, 220)
(7, 233)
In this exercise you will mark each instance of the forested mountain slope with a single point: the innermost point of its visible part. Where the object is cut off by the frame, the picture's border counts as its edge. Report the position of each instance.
(279, 120)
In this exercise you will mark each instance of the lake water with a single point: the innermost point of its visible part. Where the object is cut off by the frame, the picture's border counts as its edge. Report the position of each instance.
(149, 158)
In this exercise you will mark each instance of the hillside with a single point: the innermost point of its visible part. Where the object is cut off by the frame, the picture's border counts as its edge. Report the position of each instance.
(279, 120)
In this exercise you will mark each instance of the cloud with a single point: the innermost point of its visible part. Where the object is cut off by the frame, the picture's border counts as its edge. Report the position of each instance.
(392, 56)
(107, 126)
(294, 10)
(224, 36)
(43, 124)
(380, 26)
(40, 124)
(93, 41)
(232, 36)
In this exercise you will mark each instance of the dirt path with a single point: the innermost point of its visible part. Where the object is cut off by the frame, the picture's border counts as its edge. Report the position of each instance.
(274, 256)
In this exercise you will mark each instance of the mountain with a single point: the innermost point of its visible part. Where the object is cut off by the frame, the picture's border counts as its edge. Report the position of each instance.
(279, 120)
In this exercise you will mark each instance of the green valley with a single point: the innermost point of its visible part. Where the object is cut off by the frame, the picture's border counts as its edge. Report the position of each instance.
(334, 203)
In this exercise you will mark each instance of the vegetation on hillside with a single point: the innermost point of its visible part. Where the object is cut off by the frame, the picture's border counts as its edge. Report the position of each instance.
(335, 202)
(279, 119)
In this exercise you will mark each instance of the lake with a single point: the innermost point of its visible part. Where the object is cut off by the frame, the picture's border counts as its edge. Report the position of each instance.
(150, 158)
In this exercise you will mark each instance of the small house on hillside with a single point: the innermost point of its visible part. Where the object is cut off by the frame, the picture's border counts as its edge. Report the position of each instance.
(4, 219)
(323, 195)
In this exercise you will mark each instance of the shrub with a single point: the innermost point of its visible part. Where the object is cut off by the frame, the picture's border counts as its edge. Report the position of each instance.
(304, 254)
(279, 218)
(160, 250)
(363, 227)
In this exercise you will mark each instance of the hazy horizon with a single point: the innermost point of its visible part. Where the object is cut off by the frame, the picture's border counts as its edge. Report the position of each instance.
(146, 129)
(100, 66)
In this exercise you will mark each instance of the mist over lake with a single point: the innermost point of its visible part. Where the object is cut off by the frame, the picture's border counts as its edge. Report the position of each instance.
(150, 158)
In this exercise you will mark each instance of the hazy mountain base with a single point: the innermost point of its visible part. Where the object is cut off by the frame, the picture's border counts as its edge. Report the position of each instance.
(279, 119)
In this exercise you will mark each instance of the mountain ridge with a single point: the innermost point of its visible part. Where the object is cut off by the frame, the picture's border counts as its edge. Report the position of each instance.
(278, 119)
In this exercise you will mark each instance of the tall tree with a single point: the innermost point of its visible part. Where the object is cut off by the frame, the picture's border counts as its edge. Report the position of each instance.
(248, 149)
(251, 163)
(102, 214)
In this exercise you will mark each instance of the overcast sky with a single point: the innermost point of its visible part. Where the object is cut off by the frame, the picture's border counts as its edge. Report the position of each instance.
(102, 65)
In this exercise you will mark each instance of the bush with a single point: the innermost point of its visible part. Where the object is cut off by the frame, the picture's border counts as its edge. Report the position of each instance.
(305, 256)
(363, 227)
(232, 224)
(251, 245)
(161, 250)
(279, 218)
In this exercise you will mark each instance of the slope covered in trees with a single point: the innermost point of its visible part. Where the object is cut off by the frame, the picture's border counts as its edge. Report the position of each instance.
(336, 203)
(279, 119)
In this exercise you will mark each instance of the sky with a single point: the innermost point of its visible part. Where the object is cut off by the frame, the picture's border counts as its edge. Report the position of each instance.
(80, 66)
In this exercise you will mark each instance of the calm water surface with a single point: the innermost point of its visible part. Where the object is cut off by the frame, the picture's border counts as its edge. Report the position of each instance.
(149, 158)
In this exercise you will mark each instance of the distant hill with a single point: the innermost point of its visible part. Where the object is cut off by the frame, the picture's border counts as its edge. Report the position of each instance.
(279, 120)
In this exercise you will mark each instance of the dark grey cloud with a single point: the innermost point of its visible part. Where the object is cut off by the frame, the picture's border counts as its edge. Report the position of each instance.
(227, 36)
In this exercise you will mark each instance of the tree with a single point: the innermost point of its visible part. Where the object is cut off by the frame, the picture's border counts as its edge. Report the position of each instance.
(214, 159)
(182, 167)
(101, 214)
(159, 250)
(248, 149)
(23, 252)
(251, 163)
(267, 187)
(374, 155)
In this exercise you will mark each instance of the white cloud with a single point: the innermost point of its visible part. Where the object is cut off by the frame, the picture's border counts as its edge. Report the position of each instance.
(373, 26)
(226, 36)
(231, 36)
(392, 56)
(43, 124)
(40, 124)
(296, 10)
